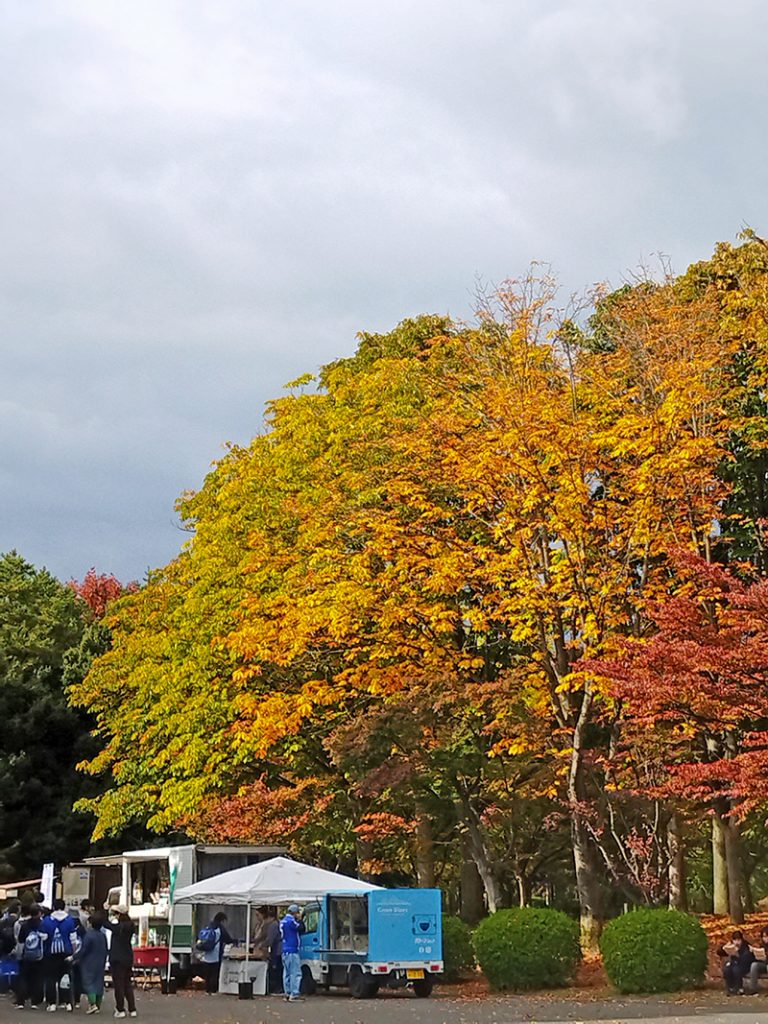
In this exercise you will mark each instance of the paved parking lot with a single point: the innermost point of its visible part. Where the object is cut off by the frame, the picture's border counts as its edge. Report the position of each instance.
(446, 1006)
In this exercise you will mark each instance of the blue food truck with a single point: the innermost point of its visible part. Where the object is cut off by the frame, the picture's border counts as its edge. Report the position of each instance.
(390, 937)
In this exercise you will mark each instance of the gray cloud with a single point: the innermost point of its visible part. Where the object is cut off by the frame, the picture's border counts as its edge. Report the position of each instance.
(201, 200)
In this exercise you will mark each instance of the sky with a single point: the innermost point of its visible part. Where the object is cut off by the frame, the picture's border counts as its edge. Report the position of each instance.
(203, 200)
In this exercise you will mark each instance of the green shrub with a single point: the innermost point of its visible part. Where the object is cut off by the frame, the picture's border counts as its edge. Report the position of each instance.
(527, 948)
(654, 951)
(458, 952)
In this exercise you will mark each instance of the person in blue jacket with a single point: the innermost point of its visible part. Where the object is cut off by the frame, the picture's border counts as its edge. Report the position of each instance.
(291, 930)
(59, 927)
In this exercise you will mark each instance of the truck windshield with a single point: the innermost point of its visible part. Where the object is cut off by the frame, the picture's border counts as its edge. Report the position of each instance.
(349, 924)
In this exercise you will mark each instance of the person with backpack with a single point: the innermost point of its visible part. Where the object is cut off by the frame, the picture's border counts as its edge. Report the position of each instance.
(92, 959)
(211, 942)
(29, 952)
(10, 969)
(59, 926)
(121, 961)
(22, 916)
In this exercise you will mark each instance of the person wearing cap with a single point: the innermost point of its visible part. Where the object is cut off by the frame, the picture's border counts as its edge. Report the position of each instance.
(121, 960)
(291, 930)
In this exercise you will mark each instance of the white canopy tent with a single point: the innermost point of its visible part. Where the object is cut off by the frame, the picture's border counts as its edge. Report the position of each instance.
(274, 881)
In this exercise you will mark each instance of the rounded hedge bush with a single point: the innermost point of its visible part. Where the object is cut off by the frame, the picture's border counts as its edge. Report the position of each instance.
(654, 951)
(527, 948)
(458, 952)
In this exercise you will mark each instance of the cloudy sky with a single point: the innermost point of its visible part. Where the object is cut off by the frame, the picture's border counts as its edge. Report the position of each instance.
(202, 199)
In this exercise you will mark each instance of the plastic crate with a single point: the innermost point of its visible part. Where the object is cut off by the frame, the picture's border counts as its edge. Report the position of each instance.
(150, 956)
(9, 967)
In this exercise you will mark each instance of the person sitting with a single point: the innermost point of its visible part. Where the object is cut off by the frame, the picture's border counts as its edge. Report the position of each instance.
(738, 963)
(759, 966)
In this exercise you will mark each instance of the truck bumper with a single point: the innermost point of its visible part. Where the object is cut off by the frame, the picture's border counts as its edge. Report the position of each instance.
(400, 974)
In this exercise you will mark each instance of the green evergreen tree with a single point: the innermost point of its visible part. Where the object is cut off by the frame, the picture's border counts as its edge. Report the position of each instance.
(41, 622)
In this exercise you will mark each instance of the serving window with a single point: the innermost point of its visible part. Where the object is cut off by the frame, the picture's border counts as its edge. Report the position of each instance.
(349, 924)
(150, 882)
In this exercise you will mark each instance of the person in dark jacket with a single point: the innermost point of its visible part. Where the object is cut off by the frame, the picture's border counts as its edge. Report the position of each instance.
(60, 927)
(275, 946)
(8, 946)
(738, 963)
(31, 944)
(758, 968)
(92, 958)
(121, 961)
(212, 957)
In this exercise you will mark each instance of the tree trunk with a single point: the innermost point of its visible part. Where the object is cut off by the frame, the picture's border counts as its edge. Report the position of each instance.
(364, 853)
(472, 903)
(587, 885)
(678, 899)
(587, 877)
(719, 869)
(523, 889)
(425, 849)
(733, 867)
(746, 891)
(481, 855)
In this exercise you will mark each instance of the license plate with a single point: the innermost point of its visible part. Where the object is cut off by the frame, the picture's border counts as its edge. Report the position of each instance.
(413, 975)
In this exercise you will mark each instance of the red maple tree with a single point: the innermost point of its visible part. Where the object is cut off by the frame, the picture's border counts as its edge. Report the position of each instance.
(701, 685)
(99, 589)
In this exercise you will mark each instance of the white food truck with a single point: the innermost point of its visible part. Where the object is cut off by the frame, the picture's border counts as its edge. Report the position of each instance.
(145, 880)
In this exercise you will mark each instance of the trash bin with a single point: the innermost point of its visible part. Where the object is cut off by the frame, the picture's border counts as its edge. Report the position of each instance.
(245, 990)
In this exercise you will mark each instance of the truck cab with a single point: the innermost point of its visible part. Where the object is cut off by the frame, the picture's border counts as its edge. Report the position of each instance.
(390, 937)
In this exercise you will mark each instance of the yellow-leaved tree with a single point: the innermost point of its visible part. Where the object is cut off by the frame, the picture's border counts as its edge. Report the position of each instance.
(449, 521)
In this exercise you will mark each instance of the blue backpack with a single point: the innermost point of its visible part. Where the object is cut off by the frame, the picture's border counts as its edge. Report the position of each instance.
(207, 939)
(33, 946)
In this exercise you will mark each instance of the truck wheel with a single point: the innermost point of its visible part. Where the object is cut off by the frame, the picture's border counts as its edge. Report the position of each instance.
(308, 985)
(362, 986)
(423, 987)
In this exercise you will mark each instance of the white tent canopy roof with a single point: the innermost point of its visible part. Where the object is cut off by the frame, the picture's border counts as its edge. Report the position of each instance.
(278, 880)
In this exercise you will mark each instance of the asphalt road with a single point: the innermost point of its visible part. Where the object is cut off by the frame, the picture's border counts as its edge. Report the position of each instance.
(444, 1007)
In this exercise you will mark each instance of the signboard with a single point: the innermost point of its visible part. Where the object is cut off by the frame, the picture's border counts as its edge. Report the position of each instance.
(46, 886)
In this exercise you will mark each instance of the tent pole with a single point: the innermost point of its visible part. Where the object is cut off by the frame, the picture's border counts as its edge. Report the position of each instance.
(170, 947)
(247, 937)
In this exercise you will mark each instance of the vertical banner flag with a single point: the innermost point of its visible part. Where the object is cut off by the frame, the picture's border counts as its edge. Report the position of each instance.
(46, 886)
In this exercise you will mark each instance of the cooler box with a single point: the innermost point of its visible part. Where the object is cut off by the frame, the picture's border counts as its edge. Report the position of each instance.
(235, 971)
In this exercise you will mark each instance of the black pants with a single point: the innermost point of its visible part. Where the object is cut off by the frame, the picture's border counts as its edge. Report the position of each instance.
(733, 975)
(30, 982)
(76, 980)
(275, 974)
(212, 972)
(55, 967)
(122, 975)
